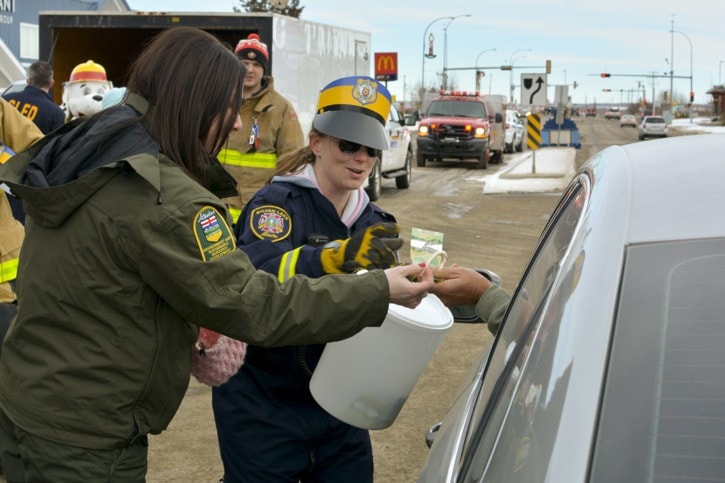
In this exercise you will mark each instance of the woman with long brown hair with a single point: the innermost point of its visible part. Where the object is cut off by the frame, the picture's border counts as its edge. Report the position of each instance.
(128, 251)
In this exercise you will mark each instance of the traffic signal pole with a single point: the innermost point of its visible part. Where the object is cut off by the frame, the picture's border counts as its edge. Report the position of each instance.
(651, 76)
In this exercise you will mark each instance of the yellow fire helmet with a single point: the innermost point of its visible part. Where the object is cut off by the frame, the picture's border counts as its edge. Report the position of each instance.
(354, 109)
(88, 71)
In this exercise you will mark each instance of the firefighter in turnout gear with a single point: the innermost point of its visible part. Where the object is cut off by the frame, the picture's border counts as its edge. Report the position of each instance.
(270, 127)
(16, 133)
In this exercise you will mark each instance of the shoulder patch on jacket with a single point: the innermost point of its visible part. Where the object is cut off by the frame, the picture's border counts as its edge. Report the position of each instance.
(270, 223)
(212, 233)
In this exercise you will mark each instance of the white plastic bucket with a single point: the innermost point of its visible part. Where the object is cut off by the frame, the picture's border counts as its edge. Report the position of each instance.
(365, 380)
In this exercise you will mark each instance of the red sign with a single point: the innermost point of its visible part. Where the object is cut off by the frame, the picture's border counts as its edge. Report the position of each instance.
(386, 66)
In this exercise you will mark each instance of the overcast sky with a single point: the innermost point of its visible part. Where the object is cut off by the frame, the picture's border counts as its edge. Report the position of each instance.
(582, 38)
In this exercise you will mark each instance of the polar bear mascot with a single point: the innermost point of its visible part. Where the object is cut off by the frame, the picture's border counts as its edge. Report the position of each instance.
(83, 94)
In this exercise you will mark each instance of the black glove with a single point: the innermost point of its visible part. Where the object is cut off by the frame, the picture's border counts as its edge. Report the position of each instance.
(374, 247)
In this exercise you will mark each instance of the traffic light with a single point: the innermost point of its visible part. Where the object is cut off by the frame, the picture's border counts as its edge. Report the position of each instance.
(604, 74)
(548, 67)
(665, 95)
(575, 84)
(692, 97)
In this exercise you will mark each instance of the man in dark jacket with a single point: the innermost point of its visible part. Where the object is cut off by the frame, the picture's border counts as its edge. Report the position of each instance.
(34, 102)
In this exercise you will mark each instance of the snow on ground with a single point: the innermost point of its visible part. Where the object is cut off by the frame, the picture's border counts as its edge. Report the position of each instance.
(551, 168)
(546, 170)
(698, 124)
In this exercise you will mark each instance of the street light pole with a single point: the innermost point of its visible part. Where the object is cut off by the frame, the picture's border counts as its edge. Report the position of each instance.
(445, 49)
(425, 32)
(719, 72)
(691, 91)
(511, 71)
(478, 80)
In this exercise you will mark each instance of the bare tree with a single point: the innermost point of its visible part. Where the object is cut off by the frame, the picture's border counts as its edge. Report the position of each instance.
(290, 8)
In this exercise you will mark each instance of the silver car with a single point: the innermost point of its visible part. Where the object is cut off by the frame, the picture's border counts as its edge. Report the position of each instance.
(652, 126)
(609, 365)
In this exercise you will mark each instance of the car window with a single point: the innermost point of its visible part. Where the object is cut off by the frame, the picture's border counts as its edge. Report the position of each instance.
(515, 385)
(457, 108)
(393, 116)
(664, 395)
(654, 120)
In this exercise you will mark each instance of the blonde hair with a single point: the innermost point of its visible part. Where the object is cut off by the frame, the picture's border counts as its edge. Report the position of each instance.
(294, 161)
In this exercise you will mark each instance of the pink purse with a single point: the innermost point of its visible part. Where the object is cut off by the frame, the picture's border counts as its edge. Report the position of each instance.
(216, 357)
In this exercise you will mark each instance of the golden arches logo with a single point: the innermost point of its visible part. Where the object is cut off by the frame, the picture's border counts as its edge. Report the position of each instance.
(386, 63)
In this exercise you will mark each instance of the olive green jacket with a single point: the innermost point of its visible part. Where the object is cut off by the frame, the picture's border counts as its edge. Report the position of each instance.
(124, 257)
(492, 305)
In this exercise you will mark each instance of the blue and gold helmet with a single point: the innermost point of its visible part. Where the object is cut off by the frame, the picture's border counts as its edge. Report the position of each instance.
(355, 109)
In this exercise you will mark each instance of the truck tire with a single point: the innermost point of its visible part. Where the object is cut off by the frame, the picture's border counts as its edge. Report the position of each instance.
(420, 160)
(402, 182)
(483, 160)
(375, 182)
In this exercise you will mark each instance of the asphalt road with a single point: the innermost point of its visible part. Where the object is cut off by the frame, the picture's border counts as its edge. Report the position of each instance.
(498, 232)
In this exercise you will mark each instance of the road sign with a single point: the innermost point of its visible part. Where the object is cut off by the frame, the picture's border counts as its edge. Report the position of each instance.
(533, 89)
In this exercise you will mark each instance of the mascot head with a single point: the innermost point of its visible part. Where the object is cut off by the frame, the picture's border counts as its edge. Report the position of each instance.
(83, 94)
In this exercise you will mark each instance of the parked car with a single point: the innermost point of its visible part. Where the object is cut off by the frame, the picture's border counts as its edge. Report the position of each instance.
(652, 126)
(513, 133)
(591, 113)
(628, 120)
(396, 162)
(607, 366)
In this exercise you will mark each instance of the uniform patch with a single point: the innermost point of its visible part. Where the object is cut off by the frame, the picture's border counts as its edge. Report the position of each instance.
(270, 223)
(213, 235)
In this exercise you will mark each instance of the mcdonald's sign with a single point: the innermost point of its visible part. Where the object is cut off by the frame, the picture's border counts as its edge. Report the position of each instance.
(386, 66)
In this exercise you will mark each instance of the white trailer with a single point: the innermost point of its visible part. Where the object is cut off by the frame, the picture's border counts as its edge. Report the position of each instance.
(303, 56)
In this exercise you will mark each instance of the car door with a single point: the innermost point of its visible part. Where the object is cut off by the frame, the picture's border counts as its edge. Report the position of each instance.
(394, 158)
(470, 427)
(535, 408)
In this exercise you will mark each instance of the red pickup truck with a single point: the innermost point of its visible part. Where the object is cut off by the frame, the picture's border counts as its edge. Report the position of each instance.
(460, 125)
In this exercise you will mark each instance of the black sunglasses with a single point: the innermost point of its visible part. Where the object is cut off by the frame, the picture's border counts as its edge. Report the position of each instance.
(349, 147)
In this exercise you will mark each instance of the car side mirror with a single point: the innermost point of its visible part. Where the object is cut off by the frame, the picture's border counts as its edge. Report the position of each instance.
(409, 120)
(430, 436)
(466, 314)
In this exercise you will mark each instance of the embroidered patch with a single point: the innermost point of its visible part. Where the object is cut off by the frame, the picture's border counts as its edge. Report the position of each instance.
(213, 235)
(270, 223)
